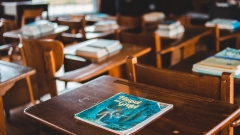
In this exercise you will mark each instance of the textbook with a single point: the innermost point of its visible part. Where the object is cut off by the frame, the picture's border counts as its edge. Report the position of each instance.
(222, 63)
(200, 68)
(170, 32)
(153, 16)
(106, 25)
(99, 48)
(229, 24)
(169, 24)
(37, 28)
(123, 113)
(227, 60)
(229, 53)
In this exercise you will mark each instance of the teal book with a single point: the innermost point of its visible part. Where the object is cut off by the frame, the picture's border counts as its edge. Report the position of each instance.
(123, 113)
(229, 53)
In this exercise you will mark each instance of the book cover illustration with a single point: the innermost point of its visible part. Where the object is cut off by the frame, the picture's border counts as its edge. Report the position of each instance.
(123, 113)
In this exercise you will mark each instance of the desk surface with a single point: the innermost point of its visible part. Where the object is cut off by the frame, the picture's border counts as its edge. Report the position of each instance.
(190, 114)
(11, 73)
(14, 34)
(98, 66)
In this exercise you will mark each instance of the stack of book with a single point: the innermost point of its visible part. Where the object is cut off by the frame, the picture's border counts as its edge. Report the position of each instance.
(154, 16)
(37, 28)
(229, 24)
(169, 28)
(97, 48)
(106, 25)
(227, 60)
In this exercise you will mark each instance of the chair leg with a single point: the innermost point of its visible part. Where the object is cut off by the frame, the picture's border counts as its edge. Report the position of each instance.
(30, 90)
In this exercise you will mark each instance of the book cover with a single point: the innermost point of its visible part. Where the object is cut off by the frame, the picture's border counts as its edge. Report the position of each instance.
(123, 113)
(229, 53)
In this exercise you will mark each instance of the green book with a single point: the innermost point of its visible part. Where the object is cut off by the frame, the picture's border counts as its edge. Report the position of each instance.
(123, 113)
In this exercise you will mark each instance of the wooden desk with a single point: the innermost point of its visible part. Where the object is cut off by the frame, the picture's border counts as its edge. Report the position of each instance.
(96, 67)
(226, 34)
(191, 115)
(10, 73)
(16, 9)
(51, 35)
(186, 65)
(186, 41)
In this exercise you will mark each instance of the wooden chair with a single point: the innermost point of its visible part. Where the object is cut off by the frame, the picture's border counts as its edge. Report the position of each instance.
(153, 40)
(9, 44)
(130, 22)
(218, 88)
(31, 14)
(76, 32)
(8, 25)
(46, 56)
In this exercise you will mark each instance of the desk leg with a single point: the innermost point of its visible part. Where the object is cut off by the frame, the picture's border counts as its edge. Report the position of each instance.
(2, 122)
(189, 49)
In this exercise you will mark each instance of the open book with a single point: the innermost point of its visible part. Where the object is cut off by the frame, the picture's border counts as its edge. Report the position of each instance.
(123, 114)
(37, 28)
(106, 25)
(99, 48)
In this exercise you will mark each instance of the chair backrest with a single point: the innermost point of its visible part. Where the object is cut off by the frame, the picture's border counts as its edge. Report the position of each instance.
(219, 88)
(75, 24)
(46, 56)
(31, 14)
(152, 40)
(185, 20)
(131, 22)
(8, 25)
